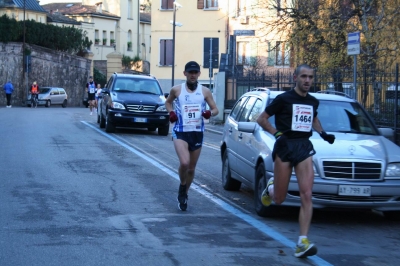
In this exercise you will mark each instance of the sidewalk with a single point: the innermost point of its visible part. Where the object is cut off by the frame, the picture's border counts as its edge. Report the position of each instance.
(214, 127)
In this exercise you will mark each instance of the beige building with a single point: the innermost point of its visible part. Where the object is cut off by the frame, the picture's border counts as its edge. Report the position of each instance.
(257, 47)
(15, 9)
(200, 20)
(113, 26)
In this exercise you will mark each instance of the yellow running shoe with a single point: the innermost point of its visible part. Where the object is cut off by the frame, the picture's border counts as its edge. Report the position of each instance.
(305, 249)
(266, 200)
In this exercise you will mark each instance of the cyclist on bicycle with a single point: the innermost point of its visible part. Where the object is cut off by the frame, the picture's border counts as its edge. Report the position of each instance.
(34, 94)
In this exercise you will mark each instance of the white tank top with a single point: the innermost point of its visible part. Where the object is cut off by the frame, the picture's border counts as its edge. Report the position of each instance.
(188, 108)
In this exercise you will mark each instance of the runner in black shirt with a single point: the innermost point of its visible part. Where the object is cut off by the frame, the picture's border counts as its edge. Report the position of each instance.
(295, 115)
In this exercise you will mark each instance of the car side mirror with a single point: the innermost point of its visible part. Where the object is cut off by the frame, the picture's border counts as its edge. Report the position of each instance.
(166, 95)
(387, 133)
(247, 127)
(105, 91)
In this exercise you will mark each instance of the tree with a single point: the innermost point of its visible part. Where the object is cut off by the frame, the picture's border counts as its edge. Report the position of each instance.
(317, 30)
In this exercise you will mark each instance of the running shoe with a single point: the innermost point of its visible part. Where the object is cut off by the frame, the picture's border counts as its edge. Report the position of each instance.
(182, 198)
(91, 113)
(305, 249)
(266, 200)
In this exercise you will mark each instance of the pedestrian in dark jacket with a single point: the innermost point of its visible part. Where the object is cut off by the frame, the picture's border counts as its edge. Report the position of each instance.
(8, 88)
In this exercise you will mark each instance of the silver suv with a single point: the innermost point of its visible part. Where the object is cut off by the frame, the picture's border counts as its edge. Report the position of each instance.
(360, 170)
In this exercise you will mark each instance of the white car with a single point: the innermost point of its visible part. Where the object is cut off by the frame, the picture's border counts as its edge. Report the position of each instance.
(50, 96)
(360, 170)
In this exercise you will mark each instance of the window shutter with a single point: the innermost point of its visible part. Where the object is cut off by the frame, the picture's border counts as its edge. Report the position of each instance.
(200, 4)
(166, 52)
(206, 52)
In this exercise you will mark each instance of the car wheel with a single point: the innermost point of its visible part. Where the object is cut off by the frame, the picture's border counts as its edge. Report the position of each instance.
(228, 182)
(151, 129)
(163, 131)
(392, 215)
(260, 184)
(48, 103)
(102, 121)
(110, 128)
(64, 104)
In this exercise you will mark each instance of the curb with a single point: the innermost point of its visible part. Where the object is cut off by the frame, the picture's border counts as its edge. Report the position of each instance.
(213, 131)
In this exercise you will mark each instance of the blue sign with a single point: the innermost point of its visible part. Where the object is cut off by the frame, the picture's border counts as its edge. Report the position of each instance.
(353, 43)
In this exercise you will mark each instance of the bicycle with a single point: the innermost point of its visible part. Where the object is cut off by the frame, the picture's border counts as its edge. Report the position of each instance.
(34, 100)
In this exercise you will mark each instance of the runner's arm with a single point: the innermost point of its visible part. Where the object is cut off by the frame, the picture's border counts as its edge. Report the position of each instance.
(317, 125)
(210, 101)
(262, 120)
(170, 100)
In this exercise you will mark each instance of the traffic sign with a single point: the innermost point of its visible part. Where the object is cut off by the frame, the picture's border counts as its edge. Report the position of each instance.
(353, 43)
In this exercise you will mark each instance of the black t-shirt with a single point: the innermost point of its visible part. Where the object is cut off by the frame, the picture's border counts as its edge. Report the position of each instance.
(293, 113)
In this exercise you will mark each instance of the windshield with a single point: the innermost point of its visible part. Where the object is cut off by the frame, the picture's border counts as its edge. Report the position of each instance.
(147, 86)
(345, 117)
(44, 90)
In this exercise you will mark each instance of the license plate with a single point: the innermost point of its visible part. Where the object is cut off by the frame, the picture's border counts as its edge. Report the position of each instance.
(346, 190)
(140, 120)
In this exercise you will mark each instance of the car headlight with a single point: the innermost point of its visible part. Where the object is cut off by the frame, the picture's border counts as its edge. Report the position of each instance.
(393, 171)
(161, 109)
(117, 105)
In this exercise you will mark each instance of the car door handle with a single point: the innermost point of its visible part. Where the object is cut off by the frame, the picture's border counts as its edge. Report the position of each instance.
(230, 130)
(240, 136)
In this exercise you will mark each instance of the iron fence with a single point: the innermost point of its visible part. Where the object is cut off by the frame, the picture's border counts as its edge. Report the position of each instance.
(375, 89)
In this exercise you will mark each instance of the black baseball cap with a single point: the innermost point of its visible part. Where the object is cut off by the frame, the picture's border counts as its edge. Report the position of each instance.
(192, 66)
(90, 77)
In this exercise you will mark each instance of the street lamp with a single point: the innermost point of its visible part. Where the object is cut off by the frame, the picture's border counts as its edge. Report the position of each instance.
(174, 23)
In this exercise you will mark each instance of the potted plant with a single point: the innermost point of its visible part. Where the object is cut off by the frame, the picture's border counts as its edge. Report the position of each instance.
(129, 46)
(104, 41)
(96, 41)
(112, 41)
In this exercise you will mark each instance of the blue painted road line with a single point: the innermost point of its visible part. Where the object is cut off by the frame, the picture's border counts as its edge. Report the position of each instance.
(224, 205)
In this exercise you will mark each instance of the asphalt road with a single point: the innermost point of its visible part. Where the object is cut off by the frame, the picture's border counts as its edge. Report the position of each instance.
(72, 194)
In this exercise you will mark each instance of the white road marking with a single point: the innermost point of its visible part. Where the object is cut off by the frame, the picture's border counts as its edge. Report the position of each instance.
(224, 205)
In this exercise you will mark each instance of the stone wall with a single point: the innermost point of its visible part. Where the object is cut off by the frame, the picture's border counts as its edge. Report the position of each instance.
(48, 68)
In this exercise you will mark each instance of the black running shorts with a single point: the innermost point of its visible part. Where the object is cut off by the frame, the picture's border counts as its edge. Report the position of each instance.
(293, 150)
(194, 138)
(91, 96)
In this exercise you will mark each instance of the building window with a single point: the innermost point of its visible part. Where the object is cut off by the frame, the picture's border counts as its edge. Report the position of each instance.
(96, 37)
(165, 52)
(167, 4)
(211, 3)
(279, 54)
(129, 9)
(129, 43)
(246, 53)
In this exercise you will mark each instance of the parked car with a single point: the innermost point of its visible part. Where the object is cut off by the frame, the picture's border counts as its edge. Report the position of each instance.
(360, 170)
(50, 96)
(136, 101)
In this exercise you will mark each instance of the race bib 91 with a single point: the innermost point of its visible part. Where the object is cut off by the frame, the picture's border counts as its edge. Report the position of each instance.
(302, 117)
(191, 114)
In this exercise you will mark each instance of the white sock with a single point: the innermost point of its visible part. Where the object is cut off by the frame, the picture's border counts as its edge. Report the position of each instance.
(300, 238)
(271, 191)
